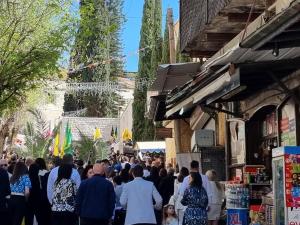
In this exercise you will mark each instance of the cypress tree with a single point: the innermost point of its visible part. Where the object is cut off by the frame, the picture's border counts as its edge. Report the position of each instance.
(149, 58)
(98, 40)
(166, 45)
(157, 37)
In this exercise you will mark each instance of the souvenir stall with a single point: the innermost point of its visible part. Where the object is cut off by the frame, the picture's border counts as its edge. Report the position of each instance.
(254, 191)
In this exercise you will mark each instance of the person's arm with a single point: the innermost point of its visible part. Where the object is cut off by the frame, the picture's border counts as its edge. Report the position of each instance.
(184, 186)
(76, 177)
(6, 187)
(79, 199)
(207, 187)
(124, 197)
(157, 198)
(111, 200)
(27, 184)
(50, 185)
(184, 200)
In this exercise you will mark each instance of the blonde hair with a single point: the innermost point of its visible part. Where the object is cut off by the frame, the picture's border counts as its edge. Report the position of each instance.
(212, 176)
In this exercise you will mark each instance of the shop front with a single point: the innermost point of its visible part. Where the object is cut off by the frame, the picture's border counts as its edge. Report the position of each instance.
(268, 122)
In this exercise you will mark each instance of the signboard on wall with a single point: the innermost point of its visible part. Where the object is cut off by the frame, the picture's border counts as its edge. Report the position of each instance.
(237, 141)
(292, 180)
(162, 133)
(287, 125)
(293, 216)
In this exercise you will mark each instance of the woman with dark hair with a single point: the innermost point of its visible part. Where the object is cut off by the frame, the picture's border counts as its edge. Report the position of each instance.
(154, 176)
(45, 207)
(184, 172)
(124, 174)
(41, 163)
(63, 199)
(87, 172)
(166, 184)
(20, 185)
(33, 204)
(196, 200)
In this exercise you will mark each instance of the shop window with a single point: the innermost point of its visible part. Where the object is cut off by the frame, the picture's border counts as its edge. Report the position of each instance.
(262, 137)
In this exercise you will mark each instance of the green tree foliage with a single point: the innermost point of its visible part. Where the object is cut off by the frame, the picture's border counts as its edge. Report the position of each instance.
(90, 150)
(98, 40)
(33, 35)
(181, 58)
(149, 59)
(38, 140)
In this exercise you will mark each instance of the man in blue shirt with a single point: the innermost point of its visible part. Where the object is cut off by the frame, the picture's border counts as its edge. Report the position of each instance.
(95, 201)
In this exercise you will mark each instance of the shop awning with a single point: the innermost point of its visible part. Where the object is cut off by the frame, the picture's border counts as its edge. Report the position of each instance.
(250, 78)
(236, 84)
(169, 76)
(151, 146)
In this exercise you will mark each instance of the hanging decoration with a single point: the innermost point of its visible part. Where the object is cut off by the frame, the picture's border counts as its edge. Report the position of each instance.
(91, 88)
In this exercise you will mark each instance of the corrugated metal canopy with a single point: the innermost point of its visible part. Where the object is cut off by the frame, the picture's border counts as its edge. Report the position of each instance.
(170, 76)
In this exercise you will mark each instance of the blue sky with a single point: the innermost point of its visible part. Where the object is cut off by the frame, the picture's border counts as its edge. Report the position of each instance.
(133, 11)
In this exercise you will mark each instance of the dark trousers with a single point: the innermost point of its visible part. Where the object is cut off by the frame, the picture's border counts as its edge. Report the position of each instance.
(17, 209)
(5, 218)
(144, 224)
(42, 213)
(158, 216)
(64, 218)
(87, 221)
(120, 216)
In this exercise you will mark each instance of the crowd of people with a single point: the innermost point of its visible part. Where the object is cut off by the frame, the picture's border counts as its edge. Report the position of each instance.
(115, 191)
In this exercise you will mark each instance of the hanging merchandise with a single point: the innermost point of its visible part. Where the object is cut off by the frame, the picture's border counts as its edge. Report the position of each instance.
(92, 88)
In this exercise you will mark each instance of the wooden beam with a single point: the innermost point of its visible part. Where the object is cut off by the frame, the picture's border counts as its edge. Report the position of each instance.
(220, 36)
(199, 54)
(241, 17)
(171, 35)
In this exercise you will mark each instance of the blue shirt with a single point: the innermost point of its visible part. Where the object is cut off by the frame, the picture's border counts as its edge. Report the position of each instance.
(20, 185)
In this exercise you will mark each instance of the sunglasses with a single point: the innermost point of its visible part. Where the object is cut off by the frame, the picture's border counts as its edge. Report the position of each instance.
(4, 165)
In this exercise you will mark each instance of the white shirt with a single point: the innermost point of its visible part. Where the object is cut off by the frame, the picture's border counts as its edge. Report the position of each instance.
(146, 173)
(137, 197)
(205, 184)
(53, 177)
(218, 195)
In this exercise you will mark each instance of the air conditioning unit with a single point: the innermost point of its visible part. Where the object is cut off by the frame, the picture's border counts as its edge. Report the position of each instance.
(203, 138)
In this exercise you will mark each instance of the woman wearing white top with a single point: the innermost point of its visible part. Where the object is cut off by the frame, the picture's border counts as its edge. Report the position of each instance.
(215, 203)
(176, 198)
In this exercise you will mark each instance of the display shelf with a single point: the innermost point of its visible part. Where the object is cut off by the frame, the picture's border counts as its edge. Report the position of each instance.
(236, 165)
(259, 184)
(270, 136)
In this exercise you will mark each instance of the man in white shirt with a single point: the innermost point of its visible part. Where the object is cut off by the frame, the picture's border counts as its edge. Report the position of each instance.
(205, 182)
(137, 197)
(67, 159)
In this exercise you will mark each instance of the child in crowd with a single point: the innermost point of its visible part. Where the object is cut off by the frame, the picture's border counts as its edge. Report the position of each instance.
(169, 215)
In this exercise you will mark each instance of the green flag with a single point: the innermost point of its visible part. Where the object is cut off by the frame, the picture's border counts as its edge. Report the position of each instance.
(116, 132)
(68, 141)
(112, 133)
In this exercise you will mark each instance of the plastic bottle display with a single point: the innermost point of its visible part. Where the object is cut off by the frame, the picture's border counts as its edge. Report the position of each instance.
(237, 196)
